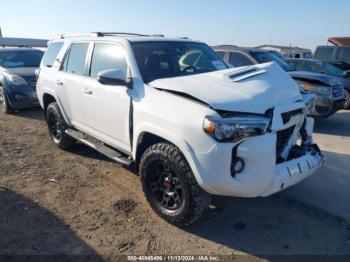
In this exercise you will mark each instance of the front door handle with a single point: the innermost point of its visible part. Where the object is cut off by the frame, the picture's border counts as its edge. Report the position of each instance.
(59, 83)
(87, 91)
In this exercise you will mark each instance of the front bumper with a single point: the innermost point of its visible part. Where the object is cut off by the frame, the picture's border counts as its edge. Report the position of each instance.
(292, 172)
(23, 97)
(263, 174)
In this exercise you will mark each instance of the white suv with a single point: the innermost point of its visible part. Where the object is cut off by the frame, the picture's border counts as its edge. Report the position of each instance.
(191, 126)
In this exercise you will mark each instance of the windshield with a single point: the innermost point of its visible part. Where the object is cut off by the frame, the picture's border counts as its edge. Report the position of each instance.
(158, 60)
(265, 57)
(15, 59)
(332, 70)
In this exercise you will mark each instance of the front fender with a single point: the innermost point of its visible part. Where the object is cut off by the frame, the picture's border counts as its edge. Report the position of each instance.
(158, 131)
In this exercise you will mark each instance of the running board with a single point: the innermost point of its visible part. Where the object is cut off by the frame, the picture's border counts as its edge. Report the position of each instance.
(101, 148)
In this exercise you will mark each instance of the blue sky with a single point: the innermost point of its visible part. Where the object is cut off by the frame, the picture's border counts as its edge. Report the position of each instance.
(247, 23)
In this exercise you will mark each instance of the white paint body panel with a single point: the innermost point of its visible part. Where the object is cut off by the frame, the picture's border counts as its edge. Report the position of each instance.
(255, 94)
(155, 110)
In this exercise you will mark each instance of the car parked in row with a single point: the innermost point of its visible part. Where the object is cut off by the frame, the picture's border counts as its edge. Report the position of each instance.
(191, 126)
(336, 55)
(329, 90)
(17, 78)
(317, 66)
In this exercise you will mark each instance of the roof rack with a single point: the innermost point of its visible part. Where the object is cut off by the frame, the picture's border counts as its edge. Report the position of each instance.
(116, 33)
(78, 35)
(102, 34)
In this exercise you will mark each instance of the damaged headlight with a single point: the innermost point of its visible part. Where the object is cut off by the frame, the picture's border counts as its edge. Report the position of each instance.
(236, 128)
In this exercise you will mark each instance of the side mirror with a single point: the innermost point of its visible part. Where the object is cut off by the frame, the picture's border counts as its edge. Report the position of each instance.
(113, 77)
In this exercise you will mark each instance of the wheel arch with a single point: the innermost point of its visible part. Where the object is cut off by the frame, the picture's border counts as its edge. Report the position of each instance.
(147, 138)
(49, 97)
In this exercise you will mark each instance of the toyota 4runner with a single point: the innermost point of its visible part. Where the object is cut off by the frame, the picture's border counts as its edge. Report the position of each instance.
(191, 126)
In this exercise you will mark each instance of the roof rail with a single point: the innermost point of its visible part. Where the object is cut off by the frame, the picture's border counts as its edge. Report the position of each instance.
(102, 34)
(78, 35)
(116, 33)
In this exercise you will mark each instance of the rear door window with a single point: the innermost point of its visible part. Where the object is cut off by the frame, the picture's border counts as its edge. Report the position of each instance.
(51, 54)
(75, 60)
(238, 59)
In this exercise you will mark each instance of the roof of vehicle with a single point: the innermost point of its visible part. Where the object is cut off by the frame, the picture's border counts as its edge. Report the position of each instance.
(281, 47)
(304, 59)
(21, 49)
(235, 48)
(131, 37)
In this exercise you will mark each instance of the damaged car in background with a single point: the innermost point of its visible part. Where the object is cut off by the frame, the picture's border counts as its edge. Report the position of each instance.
(18, 78)
(191, 126)
(329, 91)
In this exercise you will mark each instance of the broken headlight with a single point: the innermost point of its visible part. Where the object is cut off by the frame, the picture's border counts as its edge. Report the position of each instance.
(236, 128)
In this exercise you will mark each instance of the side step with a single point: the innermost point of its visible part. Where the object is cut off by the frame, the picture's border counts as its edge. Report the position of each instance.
(101, 148)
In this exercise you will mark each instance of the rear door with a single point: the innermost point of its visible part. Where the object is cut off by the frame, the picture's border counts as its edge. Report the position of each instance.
(69, 82)
(107, 107)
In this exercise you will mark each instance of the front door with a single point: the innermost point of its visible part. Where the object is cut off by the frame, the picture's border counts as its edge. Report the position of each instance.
(107, 107)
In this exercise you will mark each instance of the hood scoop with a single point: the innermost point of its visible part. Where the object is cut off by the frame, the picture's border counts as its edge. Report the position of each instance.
(245, 73)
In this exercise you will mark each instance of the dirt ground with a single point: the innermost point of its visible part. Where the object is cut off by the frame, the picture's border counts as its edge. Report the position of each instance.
(78, 202)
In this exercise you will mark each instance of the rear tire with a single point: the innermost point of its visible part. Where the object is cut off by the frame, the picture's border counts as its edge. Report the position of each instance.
(170, 186)
(57, 127)
(347, 102)
(5, 105)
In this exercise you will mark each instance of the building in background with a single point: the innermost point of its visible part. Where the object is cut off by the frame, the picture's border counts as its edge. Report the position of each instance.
(340, 41)
(22, 42)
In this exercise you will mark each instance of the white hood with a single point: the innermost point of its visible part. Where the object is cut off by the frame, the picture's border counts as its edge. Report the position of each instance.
(253, 89)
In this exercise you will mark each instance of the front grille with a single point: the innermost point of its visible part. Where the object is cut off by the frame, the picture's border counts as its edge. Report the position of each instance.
(283, 137)
(338, 91)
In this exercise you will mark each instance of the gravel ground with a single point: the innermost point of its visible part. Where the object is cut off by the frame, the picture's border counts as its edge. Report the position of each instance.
(79, 203)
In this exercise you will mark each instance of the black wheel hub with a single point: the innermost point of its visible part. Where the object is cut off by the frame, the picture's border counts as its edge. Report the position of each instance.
(54, 127)
(164, 185)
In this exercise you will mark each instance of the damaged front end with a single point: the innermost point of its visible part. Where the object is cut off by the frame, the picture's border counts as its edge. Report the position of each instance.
(297, 156)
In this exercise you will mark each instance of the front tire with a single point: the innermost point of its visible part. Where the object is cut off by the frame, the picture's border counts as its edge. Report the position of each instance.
(57, 127)
(170, 186)
(5, 105)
